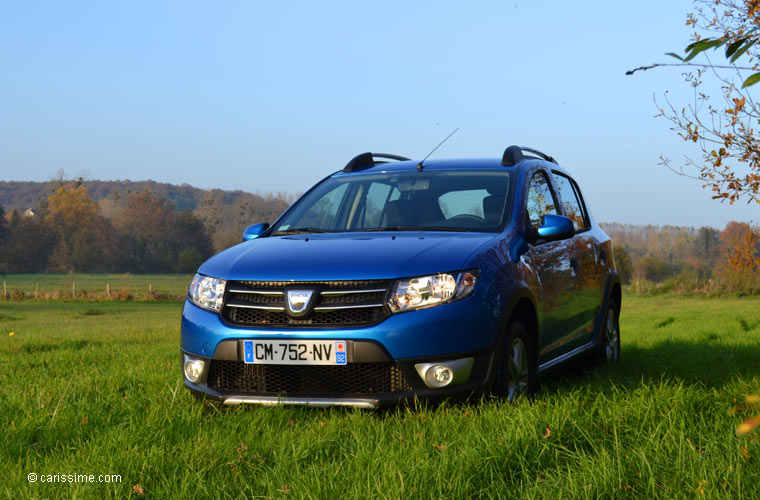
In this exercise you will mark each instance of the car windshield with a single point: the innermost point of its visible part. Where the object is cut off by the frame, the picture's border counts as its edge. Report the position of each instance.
(471, 200)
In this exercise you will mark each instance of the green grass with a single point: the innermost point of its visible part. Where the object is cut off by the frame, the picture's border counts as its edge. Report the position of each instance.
(94, 388)
(93, 286)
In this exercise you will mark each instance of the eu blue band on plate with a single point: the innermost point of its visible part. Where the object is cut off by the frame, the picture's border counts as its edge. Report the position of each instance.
(248, 351)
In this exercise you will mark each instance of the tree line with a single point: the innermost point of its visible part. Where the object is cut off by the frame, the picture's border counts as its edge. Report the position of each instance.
(688, 258)
(139, 232)
(144, 232)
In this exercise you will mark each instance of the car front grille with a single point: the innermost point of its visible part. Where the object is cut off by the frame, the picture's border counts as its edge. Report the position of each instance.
(336, 303)
(356, 378)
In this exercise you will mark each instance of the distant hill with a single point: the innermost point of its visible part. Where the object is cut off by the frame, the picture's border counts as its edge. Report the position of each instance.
(225, 213)
(21, 195)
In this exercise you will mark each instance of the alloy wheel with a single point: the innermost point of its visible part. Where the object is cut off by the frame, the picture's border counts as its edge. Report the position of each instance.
(518, 371)
(611, 337)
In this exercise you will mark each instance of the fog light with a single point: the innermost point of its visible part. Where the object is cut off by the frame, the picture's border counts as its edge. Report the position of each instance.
(448, 373)
(193, 370)
(439, 375)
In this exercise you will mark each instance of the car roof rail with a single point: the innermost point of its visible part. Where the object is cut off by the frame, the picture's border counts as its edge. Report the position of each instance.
(367, 160)
(514, 154)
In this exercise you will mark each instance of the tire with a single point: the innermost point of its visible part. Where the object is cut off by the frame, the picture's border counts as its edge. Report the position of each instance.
(608, 352)
(515, 375)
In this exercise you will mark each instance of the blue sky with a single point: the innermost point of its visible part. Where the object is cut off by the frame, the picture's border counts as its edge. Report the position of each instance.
(273, 96)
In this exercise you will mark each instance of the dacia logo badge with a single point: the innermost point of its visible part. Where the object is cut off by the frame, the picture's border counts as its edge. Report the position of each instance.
(298, 301)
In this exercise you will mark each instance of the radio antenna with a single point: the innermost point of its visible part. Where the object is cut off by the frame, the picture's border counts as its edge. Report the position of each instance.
(419, 165)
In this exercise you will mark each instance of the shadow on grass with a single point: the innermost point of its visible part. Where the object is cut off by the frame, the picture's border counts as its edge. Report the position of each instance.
(708, 363)
(76, 345)
(748, 327)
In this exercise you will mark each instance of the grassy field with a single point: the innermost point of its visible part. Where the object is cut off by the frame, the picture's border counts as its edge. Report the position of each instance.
(95, 286)
(94, 388)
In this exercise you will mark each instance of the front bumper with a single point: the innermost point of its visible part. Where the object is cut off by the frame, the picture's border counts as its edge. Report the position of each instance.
(461, 329)
(311, 386)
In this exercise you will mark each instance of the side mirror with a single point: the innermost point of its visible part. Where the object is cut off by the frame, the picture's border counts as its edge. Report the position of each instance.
(556, 227)
(254, 231)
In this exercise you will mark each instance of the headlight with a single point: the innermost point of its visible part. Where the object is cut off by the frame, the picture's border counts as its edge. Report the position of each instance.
(426, 291)
(207, 292)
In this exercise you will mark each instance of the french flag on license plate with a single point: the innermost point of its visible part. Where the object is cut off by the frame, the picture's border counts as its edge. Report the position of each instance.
(340, 353)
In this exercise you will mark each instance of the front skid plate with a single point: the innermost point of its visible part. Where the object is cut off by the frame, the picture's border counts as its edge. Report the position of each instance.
(311, 402)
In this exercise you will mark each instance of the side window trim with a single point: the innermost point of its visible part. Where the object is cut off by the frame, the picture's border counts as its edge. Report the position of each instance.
(552, 191)
(582, 204)
(578, 198)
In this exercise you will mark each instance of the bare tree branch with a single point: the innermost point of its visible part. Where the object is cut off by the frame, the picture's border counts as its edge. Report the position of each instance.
(723, 127)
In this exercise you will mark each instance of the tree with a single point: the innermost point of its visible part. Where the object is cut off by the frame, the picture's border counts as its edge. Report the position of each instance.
(188, 260)
(70, 207)
(654, 269)
(98, 248)
(27, 246)
(725, 127)
(3, 223)
(145, 222)
(189, 242)
(739, 267)
(70, 211)
(707, 244)
(3, 240)
(623, 263)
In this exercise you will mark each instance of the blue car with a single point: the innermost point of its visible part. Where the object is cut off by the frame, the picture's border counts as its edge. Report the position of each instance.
(395, 279)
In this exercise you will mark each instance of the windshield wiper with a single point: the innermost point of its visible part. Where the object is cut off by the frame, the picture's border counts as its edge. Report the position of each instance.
(416, 228)
(300, 230)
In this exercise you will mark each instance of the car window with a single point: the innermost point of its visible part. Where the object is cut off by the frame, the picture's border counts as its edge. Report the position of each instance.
(467, 202)
(321, 214)
(572, 206)
(377, 195)
(540, 200)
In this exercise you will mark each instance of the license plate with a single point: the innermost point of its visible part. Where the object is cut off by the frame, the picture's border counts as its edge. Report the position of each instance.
(295, 352)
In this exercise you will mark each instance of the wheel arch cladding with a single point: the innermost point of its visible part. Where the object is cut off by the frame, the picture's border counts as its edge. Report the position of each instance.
(617, 295)
(525, 312)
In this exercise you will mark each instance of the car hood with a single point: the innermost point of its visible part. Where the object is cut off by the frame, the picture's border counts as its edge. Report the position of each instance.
(320, 257)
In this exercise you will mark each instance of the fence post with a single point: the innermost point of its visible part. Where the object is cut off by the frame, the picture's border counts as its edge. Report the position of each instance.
(5, 291)
(108, 290)
(73, 290)
(150, 290)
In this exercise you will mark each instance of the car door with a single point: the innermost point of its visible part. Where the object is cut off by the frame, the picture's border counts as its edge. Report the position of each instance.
(590, 271)
(555, 276)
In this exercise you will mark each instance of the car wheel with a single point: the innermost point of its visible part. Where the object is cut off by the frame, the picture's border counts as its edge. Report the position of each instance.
(609, 348)
(516, 372)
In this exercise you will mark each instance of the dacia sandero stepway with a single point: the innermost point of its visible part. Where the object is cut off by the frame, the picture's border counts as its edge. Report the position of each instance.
(395, 279)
